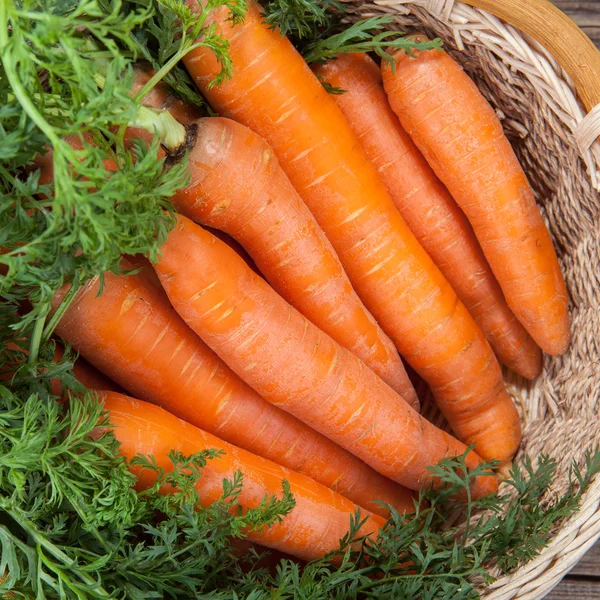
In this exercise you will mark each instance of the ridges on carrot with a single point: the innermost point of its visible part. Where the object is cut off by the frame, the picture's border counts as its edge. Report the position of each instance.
(293, 364)
(131, 333)
(429, 210)
(462, 139)
(275, 93)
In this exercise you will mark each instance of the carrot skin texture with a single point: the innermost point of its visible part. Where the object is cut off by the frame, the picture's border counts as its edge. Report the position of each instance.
(132, 334)
(275, 93)
(428, 209)
(315, 525)
(293, 364)
(462, 139)
(237, 186)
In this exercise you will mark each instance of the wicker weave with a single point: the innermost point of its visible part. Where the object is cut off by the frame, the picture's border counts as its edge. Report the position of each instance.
(550, 134)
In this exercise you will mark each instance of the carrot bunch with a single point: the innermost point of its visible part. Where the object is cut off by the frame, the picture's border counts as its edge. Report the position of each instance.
(390, 221)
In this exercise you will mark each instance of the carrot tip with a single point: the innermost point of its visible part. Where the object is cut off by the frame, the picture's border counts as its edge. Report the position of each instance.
(504, 470)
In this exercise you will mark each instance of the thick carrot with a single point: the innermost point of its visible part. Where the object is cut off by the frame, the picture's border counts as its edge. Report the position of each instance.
(275, 93)
(462, 139)
(428, 209)
(237, 186)
(314, 527)
(293, 364)
(131, 333)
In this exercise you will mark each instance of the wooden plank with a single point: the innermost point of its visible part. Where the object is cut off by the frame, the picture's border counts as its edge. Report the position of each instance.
(589, 565)
(575, 589)
(585, 14)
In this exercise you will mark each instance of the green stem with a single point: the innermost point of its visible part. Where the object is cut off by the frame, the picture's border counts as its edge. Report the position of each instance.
(168, 65)
(42, 542)
(420, 576)
(13, 78)
(171, 132)
(60, 311)
(36, 337)
(59, 572)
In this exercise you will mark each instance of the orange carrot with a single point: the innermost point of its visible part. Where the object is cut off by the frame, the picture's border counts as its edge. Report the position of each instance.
(237, 186)
(274, 93)
(235, 245)
(293, 364)
(462, 139)
(314, 527)
(429, 210)
(131, 333)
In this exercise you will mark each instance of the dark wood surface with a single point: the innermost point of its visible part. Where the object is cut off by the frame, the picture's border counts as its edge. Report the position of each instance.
(585, 14)
(583, 581)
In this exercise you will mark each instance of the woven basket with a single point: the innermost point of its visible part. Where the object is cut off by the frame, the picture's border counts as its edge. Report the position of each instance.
(543, 110)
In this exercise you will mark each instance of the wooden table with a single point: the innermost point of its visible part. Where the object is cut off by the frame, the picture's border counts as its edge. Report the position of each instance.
(583, 581)
(585, 14)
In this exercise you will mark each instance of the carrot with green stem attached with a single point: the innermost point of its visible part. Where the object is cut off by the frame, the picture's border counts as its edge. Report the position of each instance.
(161, 96)
(132, 334)
(462, 139)
(293, 364)
(313, 527)
(276, 94)
(237, 186)
(429, 210)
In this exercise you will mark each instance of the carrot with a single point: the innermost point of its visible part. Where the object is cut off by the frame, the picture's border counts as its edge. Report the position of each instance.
(237, 186)
(462, 139)
(274, 93)
(293, 364)
(234, 245)
(429, 210)
(315, 525)
(144, 270)
(131, 333)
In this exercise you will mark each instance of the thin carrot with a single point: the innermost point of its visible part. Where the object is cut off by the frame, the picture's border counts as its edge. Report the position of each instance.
(237, 186)
(315, 525)
(462, 139)
(428, 209)
(131, 333)
(274, 93)
(235, 245)
(293, 364)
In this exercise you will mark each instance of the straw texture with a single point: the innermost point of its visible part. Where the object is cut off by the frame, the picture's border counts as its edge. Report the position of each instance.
(555, 143)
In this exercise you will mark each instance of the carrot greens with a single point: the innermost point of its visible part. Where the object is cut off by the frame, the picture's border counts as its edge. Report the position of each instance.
(319, 31)
(80, 223)
(71, 526)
